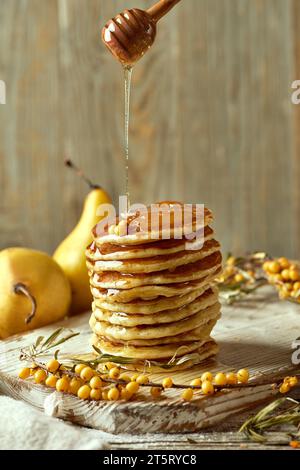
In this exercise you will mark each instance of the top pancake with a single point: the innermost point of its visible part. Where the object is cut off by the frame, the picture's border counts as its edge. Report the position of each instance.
(159, 224)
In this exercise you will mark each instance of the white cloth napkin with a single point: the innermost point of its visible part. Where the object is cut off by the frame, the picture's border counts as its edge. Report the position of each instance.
(24, 428)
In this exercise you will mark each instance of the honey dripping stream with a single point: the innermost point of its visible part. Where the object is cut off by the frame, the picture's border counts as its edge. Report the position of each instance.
(127, 81)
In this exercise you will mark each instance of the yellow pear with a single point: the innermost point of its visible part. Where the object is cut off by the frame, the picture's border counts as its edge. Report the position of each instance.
(70, 254)
(33, 291)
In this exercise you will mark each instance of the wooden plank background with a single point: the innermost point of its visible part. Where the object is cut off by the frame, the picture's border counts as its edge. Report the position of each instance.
(212, 119)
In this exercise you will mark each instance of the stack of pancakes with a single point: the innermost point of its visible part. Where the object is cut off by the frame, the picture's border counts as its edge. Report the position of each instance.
(154, 298)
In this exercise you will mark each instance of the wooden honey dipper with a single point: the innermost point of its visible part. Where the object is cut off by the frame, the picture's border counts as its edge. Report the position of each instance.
(131, 33)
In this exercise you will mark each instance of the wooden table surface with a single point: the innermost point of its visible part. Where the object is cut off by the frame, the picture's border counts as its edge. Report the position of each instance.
(257, 333)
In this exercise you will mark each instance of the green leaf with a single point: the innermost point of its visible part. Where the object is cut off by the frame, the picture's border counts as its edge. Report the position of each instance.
(52, 337)
(39, 341)
(63, 340)
(98, 351)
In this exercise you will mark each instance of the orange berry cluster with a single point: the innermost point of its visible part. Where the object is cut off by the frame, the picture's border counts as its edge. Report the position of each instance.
(86, 382)
(209, 383)
(233, 275)
(287, 384)
(285, 275)
(90, 384)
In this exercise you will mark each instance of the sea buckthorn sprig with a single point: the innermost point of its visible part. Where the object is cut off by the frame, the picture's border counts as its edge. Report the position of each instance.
(288, 383)
(270, 416)
(285, 276)
(89, 383)
(242, 276)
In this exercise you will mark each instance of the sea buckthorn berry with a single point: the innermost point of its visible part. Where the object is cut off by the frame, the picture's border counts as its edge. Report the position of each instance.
(243, 376)
(274, 267)
(293, 381)
(125, 377)
(75, 385)
(284, 387)
(79, 368)
(239, 278)
(284, 293)
(156, 392)
(51, 381)
(231, 378)
(167, 382)
(95, 394)
(24, 373)
(229, 270)
(113, 394)
(109, 365)
(114, 373)
(284, 263)
(33, 368)
(62, 385)
(53, 366)
(196, 383)
(295, 444)
(87, 373)
(40, 376)
(84, 392)
(230, 261)
(296, 286)
(266, 266)
(207, 387)
(277, 278)
(142, 379)
(288, 286)
(125, 394)
(294, 275)
(285, 274)
(96, 382)
(187, 394)
(207, 376)
(134, 377)
(132, 387)
(220, 379)
(105, 394)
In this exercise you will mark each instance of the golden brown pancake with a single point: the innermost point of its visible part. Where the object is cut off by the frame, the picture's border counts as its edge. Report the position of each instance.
(112, 251)
(156, 331)
(141, 229)
(208, 298)
(151, 264)
(204, 349)
(210, 264)
(196, 334)
(149, 307)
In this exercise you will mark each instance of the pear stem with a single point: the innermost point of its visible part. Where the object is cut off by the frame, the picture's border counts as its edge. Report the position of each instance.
(20, 288)
(70, 164)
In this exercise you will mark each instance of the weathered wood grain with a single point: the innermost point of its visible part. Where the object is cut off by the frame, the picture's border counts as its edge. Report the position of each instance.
(211, 119)
(250, 335)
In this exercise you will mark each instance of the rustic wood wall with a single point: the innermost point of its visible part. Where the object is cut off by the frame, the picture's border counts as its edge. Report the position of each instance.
(212, 118)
